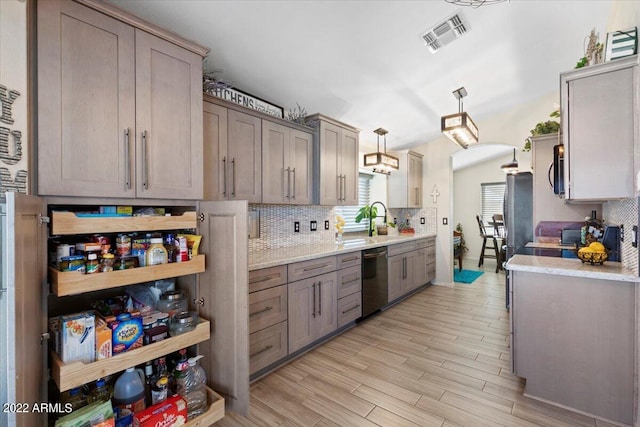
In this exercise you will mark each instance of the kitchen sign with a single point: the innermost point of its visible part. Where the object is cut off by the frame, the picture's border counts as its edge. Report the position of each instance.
(249, 101)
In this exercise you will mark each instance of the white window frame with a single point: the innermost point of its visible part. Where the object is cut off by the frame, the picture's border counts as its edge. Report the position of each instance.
(491, 200)
(349, 213)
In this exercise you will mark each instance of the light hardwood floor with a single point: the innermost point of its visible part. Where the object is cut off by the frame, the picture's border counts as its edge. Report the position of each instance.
(439, 358)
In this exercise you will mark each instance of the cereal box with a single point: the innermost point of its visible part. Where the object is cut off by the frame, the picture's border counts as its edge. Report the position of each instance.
(126, 332)
(170, 413)
(103, 339)
(77, 334)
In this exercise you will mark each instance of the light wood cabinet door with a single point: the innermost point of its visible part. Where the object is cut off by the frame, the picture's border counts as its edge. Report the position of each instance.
(214, 151)
(421, 276)
(276, 171)
(267, 308)
(349, 167)
(243, 164)
(414, 187)
(224, 292)
(302, 313)
(301, 163)
(25, 357)
(396, 268)
(349, 309)
(312, 309)
(326, 320)
(599, 119)
(330, 176)
(168, 119)
(267, 346)
(410, 277)
(86, 102)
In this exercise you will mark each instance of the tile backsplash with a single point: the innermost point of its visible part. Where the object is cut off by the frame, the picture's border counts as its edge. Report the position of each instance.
(624, 212)
(277, 224)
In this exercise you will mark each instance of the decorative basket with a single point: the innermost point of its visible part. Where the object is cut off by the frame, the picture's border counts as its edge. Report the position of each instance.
(593, 257)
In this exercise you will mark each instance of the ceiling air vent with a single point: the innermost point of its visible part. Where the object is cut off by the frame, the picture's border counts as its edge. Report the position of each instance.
(445, 32)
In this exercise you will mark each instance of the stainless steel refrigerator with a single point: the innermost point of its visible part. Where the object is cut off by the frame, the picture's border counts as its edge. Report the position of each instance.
(518, 215)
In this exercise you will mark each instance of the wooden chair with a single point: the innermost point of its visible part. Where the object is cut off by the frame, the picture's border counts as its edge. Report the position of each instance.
(487, 236)
(457, 248)
(499, 232)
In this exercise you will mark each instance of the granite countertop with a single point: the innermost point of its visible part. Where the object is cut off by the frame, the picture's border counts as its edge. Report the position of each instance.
(280, 256)
(571, 267)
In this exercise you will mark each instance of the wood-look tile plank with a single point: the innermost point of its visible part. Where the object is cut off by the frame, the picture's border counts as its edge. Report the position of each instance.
(398, 406)
(439, 371)
(391, 375)
(383, 417)
(328, 376)
(373, 381)
(481, 410)
(285, 406)
(336, 413)
(326, 423)
(494, 361)
(336, 395)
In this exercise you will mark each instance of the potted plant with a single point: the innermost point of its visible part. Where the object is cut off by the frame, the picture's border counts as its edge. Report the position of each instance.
(544, 128)
(405, 228)
(371, 212)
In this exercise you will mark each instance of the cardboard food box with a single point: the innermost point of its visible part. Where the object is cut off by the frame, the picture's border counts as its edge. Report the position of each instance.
(104, 342)
(126, 332)
(77, 334)
(170, 413)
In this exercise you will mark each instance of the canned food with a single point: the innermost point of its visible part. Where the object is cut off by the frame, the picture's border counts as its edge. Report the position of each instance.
(64, 250)
(126, 262)
(72, 263)
(107, 263)
(123, 244)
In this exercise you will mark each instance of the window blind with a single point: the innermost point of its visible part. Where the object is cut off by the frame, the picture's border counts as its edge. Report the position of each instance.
(364, 198)
(492, 200)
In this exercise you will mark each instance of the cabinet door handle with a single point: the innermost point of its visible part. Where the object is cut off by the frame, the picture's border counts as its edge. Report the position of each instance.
(353, 258)
(288, 170)
(357, 279)
(224, 176)
(339, 187)
(417, 196)
(313, 290)
(293, 171)
(127, 161)
(145, 170)
(319, 298)
(351, 309)
(264, 310)
(264, 278)
(404, 268)
(267, 348)
(233, 177)
(344, 186)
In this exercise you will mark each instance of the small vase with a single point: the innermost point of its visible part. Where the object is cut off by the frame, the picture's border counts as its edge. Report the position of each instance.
(339, 240)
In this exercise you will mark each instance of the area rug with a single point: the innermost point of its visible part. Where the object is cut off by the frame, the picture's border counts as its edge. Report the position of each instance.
(466, 276)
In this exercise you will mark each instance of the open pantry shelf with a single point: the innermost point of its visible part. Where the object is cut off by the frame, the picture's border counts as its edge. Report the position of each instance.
(63, 223)
(72, 282)
(214, 414)
(74, 374)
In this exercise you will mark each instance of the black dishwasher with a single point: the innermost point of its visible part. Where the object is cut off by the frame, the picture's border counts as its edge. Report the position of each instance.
(375, 292)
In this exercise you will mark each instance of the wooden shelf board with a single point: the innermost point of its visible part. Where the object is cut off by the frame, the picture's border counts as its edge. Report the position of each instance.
(214, 414)
(74, 374)
(72, 282)
(63, 223)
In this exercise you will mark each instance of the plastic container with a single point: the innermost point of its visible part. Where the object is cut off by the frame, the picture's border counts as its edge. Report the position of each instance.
(101, 393)
(75, 398)
(123, 244)
(190, 388)
(200, 374)
(107, 262)
(157, 253)
(183, 322)
(172, 302)
(128, 392)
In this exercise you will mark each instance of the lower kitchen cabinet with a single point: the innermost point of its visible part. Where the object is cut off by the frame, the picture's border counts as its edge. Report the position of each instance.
(267, 346)
(401, 274)
(267, 307)
(349, 309)
(312, 309)
(411, 265)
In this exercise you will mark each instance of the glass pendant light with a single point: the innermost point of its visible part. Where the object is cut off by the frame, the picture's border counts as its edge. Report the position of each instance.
(380, 161)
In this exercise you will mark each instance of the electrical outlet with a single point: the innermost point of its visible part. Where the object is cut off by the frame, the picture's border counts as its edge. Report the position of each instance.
(296, 227)
(326, 225)
(422, 220)
(634, 236)
(313, 225)
(622, 232)
(445, 221)
(395, 220)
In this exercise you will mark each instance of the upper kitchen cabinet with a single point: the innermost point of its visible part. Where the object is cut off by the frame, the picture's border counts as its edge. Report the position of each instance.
(287, 156)
(119, 105)
(600, 124)
(405, 184)
(336, 162)
(232, 152)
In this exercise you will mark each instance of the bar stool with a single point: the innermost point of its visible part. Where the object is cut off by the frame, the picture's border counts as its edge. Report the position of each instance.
(499, 232)
(487, 236)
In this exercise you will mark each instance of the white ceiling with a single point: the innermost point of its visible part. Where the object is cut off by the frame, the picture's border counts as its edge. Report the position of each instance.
(364, 62)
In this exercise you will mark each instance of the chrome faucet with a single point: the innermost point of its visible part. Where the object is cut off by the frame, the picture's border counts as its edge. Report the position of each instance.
(373, 219)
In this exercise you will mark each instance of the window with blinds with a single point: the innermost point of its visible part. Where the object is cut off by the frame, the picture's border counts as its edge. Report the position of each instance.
(364, 198)
(492, 200)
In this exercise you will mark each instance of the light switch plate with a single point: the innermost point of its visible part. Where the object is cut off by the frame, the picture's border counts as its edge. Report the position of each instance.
(313, 225)
(296, 227)
(445, 221)
(326, 225)
(422, 220)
